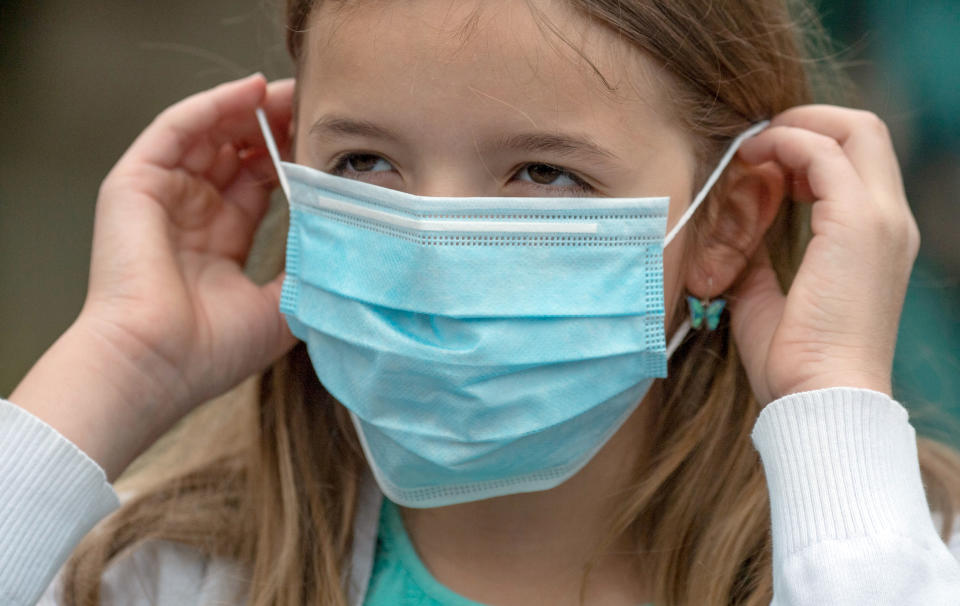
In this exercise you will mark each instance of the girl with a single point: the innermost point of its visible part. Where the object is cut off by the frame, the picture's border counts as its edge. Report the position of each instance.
(495, 336)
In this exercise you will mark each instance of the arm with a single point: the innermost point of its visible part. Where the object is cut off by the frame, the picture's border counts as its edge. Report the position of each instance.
(849, 517)
(170, 320)
(52, 495)
(850, 520)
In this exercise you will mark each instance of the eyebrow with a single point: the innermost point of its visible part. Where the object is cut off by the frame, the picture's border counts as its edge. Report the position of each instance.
(559, 144)
(340, 126)
(533, 142)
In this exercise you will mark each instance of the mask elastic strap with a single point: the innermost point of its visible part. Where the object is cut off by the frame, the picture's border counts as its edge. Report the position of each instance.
(272, 148)
(678, 337)
(724, 161)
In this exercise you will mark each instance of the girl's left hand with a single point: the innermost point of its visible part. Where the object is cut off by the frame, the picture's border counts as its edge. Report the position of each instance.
(837, 325)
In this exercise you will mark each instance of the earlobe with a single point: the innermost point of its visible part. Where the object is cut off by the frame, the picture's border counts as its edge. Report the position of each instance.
(733, 226)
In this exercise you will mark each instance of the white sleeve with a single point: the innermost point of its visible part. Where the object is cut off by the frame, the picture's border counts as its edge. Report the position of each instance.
(51, 495)
(849, 515)
(165, 573)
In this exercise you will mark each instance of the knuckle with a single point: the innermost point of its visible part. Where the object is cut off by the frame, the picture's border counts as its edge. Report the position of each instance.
(882, 226)
(881, 221)
(873, 123)
(912, 237)
(108, 185)
(829, 146)
(898, 231)
(165, 115)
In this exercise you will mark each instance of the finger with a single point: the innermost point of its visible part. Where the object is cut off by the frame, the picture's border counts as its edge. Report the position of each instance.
(225, 167)
(279, 115)
(216, 164)
(250, 189)
(278, 105)
(799, 188)
(756, 306)
(862, 135)
(828, 172)
(222, 168)
(222, 222)
(220, 115)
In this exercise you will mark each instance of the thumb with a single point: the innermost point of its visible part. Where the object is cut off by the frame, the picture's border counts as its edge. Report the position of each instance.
(756, 308)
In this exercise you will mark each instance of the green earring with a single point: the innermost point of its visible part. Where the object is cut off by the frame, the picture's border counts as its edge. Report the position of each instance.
(705, 311)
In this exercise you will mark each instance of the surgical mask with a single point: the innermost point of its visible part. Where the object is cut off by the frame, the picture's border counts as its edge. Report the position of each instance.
(483, 346)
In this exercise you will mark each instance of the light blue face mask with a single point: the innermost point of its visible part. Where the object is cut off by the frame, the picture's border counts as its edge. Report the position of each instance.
(484, 346)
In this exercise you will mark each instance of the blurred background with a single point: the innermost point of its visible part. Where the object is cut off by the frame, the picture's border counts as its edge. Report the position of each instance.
(81, 79)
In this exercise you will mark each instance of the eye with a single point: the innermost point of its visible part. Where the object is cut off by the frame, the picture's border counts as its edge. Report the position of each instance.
(360, 163)
(551, 176)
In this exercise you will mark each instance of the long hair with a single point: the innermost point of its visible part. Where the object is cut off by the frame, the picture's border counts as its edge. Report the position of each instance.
(277, 489)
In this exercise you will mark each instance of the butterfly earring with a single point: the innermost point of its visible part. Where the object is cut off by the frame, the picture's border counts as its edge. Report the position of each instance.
(705, 310)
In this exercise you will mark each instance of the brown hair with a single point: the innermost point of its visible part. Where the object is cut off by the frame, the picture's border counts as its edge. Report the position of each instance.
(281, 501)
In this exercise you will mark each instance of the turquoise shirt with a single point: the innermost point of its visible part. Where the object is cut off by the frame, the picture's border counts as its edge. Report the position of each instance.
(399, 578)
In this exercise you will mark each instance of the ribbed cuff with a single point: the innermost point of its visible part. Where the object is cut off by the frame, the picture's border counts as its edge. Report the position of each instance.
(840, 463)
(51, 495)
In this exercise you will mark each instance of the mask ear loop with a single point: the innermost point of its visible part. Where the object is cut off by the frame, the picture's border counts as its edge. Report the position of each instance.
(678, 337)
(725, 160)
(274, 153)
(714, 176)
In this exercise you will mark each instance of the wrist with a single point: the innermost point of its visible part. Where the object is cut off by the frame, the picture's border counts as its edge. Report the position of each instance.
(878, 382)
(99, 395)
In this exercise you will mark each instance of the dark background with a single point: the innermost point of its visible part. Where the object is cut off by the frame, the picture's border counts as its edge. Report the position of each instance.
(81, 79)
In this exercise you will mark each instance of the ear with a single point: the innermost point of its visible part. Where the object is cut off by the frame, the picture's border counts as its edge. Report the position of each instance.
(737, 218)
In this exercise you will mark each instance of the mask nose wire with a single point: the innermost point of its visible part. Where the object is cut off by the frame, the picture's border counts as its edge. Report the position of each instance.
(714, 176)
(272, 148)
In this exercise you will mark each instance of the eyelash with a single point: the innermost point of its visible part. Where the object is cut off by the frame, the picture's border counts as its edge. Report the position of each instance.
(341, 162)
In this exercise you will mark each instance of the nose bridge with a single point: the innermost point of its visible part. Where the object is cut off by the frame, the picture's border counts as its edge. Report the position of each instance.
(454, 171)
(451, 185)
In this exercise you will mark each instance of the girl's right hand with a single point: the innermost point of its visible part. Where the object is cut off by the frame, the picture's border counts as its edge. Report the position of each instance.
(170, 319)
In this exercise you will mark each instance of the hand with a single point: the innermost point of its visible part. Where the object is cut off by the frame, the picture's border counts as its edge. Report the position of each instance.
(170, 319)
(837, 326)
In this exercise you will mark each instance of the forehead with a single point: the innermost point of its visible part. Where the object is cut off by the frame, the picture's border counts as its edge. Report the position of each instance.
(530, 61)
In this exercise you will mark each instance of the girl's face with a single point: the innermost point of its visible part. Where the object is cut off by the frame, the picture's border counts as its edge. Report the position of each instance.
(484, 98)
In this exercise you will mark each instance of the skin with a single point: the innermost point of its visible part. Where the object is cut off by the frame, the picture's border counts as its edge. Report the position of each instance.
(171, 321)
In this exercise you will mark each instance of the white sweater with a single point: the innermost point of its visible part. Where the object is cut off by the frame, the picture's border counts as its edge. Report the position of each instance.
(850, 521)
